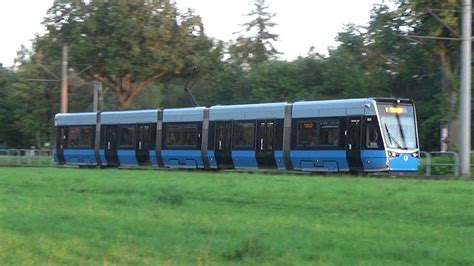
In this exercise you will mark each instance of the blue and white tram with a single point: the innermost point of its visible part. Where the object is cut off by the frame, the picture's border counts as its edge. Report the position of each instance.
(357, 135)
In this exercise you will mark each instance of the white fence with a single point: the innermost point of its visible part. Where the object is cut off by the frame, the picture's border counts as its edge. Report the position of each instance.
(25, 157)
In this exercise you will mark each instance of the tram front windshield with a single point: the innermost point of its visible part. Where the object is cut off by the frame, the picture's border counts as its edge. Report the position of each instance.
(398, 126)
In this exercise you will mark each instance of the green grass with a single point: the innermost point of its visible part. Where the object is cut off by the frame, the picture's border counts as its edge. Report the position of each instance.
(84, 216)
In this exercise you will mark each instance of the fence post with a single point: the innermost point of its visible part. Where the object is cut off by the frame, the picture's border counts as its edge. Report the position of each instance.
(4, 157)
(456, 161)
(472, 163)
(427, 163)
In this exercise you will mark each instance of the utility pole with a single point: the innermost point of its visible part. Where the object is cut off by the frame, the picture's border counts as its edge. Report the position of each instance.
(465, 91)
(64, 80)
(97, 95)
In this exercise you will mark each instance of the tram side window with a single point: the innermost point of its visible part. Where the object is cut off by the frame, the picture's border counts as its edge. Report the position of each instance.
(306, 136)
(189, 136)
(181, 136)
(173, 136)
(127, 137)
(329, 133)
(79, 137)
(244, 135)
(373, 138)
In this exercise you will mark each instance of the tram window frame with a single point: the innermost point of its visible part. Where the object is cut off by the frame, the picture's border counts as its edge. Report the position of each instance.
(152, 136)
(242, 141)
(373, 122)
(298, 142)
(212, 134)
(278, 138)
(60, 137)
(80, 140)
(144, 135)
(187, 140)
(334, 126)
(182, 142)
(106, 131)
(131, 141)
(172, 130)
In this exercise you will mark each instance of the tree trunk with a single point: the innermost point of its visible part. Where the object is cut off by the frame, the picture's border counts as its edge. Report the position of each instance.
(125, 88)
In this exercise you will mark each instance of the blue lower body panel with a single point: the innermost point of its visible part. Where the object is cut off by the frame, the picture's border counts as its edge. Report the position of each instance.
(280, 162)
(103, 160)
(153, 159)
(404, 163)
(127, 157)
(374, 160)
(212, 159)
(80, 156)
(319, 161)
(182, 158)
(244, 159)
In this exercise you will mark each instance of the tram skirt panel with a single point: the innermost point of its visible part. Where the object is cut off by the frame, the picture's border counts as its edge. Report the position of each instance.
(319, 161)
(182, 158)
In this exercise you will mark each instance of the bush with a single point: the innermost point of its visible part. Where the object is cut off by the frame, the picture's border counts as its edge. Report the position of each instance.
(440, 165)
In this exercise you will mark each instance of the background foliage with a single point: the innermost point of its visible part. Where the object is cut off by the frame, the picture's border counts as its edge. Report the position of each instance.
(149, 55)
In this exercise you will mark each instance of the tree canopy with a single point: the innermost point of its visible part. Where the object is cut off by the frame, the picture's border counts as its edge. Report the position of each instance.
(257, 46)
(127, 44)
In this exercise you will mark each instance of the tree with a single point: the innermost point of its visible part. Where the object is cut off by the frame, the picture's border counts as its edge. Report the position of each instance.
(257, 48)
(10, 134)
(196, 84)
(388, 64)
(35, 102)
(129, 44)
(431, 18)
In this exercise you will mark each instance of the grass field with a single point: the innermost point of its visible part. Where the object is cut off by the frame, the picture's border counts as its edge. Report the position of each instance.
(84, 216)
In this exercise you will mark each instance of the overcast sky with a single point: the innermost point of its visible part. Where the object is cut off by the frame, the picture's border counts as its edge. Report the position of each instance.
(301, 23)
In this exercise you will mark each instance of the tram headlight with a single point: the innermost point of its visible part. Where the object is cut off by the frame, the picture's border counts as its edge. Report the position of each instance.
(415, 154)
(392, 154)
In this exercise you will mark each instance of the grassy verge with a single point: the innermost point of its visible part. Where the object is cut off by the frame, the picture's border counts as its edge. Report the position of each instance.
(83, 216)
(10, 160)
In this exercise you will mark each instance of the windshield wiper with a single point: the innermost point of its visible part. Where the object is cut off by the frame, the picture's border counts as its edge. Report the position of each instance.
(391, 137)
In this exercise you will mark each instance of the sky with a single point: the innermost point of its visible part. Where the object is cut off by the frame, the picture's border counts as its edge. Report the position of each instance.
(301, 23)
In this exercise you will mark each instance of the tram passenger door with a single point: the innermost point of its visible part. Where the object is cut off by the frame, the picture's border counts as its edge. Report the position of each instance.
(353, 143)
(61, 140)
(142, 146)
(110, 141)
(265, 146)
(223, 144)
